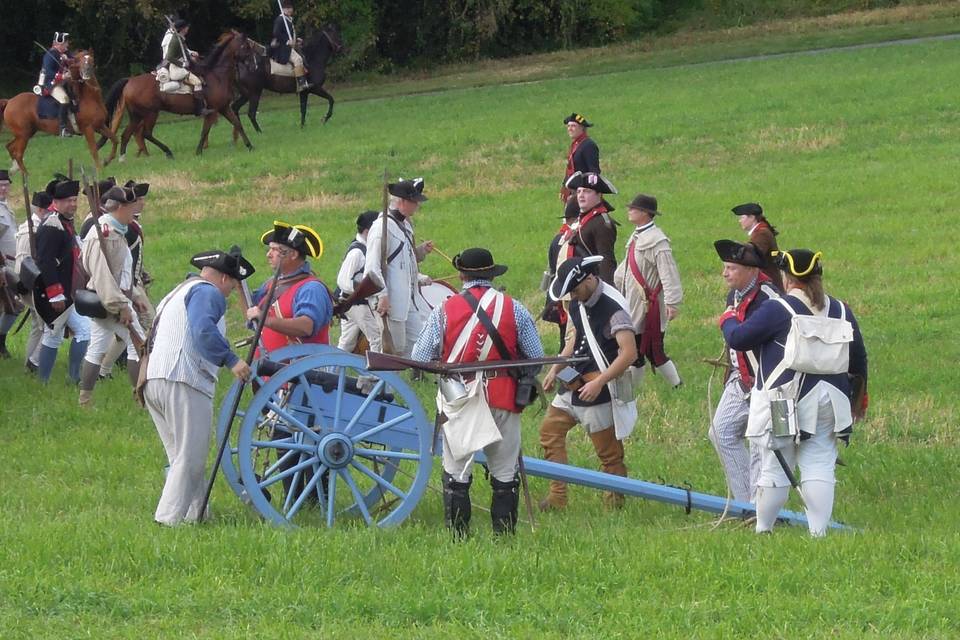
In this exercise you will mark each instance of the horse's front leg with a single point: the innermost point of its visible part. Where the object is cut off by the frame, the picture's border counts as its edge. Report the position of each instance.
(208, 121)
(237, 125)
(107, 134)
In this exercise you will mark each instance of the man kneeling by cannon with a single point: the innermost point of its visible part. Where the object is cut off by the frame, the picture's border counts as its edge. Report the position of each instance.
(482, 409)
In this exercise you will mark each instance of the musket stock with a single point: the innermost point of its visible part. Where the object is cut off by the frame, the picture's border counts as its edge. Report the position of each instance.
(364, 289)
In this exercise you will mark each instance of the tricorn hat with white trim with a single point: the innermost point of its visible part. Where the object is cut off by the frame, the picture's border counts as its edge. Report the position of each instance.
(571, 273)
(231, 263)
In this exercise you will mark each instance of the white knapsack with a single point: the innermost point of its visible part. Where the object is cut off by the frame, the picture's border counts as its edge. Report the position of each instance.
(817, 344)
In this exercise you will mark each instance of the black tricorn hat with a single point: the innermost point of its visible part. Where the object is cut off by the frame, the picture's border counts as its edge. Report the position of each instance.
(572, 208)
(4, 175)
(799, 263)
(366, 219)
(41, 200)
(66, 189)
(748, 209)
(286, 4)
(408, 189)
(571, 273)
(593, 181)
(139, 188)
(232, 262)
(743, 253)
(577, 118)
(299, 237)
(122, 195)
(478, 263)
(645, 203)
(180, 23)
(105, 185)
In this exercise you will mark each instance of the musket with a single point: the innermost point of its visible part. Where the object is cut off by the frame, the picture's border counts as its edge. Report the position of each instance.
(386, 362)
(30, 230)
(386, 340)
(363, 290)
(92, 192)
(261, 321)
(184, 52)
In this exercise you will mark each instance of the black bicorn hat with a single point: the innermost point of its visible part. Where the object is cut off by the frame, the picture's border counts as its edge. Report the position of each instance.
(743, 253)
(646, 203)
(60, 37)
(748, 209)
(41, 200)
(231, 262)
(799, 263)
(299, 237)
(4, 175)
(123, 195)
(577, 118)
(478, 263)
(571, 273)
(65, 189)
(366, 219)
(139, 188)
(408, 189)
(589, 180)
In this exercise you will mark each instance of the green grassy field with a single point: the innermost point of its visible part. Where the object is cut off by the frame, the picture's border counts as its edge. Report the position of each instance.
(852, 153)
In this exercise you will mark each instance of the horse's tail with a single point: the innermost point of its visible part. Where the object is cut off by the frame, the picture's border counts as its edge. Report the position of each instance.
(3, 107)
(113, 96)
(118, 114)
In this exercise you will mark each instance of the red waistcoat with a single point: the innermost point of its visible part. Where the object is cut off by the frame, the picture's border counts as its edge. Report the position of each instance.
(283, 308)
(502, 389)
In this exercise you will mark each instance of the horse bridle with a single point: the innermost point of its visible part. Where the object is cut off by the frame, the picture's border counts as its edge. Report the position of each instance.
(333, 45)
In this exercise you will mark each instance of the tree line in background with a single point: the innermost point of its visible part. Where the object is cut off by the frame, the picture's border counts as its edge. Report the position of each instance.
(380, 36)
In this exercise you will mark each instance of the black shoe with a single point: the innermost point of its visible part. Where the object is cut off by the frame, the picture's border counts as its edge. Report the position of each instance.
(30, 367)
(303, 84)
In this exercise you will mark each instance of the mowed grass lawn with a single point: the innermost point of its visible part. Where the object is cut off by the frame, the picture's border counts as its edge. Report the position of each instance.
(853, 153)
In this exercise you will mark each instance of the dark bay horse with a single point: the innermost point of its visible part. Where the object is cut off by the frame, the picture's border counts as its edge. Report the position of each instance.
(141, 98)
(254, 74)
(20, 113)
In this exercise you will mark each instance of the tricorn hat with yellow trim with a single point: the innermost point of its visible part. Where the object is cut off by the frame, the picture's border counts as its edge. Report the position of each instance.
(799, 263)
(577, 118)
(296, 236)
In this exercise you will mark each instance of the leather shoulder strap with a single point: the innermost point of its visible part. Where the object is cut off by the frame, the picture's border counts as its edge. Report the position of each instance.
(488, 325)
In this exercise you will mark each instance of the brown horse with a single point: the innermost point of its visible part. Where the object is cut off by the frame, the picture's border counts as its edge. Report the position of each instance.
(141, 98)
(20, 112)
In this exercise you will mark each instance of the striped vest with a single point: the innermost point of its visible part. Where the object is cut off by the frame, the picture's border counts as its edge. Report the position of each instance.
(173, 357)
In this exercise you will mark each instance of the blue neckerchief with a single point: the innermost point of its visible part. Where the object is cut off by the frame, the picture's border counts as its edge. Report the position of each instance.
(116, 224)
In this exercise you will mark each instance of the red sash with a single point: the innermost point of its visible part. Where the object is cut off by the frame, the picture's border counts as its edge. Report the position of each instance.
(651, 323)
(584, 219)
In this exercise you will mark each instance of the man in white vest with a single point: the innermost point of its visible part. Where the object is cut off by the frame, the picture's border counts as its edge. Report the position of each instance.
(397, 302)
(188, 347)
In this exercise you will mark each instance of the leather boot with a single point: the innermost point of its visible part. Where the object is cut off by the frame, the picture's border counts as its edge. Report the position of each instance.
(65, 130)
(88, 380)
(200, 104)
(45, 361)
(504, 505)
(553, 439)
(77, 351)
(133, 372)
(610, 452)
(456, 505)
(303, 84)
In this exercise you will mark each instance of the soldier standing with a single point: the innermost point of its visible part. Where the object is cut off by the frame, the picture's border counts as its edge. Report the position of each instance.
(39, 210)
(397, 301)
(360, 318)
(583, 155)
(189, 346)
(649, 280)
(9, 308)
(478, 325)
(58, 258)
(595, 232)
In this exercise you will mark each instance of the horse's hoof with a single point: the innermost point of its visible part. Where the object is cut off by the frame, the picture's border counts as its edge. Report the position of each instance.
(249, 147)
(169, 156)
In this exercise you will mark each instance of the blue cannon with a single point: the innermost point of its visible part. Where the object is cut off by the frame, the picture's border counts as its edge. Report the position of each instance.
(324, 439)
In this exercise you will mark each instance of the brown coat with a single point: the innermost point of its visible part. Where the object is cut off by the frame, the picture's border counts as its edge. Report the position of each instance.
(762, 237)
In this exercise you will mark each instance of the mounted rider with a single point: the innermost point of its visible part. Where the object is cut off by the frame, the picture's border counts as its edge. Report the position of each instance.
(53, 75)
(282, 46)
(177, 59)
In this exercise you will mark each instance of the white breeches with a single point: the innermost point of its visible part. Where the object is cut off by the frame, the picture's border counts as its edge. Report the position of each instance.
(359, 319)
(79, 325)
(816, 456)
(183, 417)
(405, 332)
(501, 456)
(102, 334)
(60, 95)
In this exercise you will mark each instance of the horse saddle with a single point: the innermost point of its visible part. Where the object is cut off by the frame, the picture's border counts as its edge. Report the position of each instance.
(277, 69)
(169, 85)
(47, 108)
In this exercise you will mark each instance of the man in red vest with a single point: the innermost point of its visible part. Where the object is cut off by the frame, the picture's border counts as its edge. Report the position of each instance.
(302, 307)
(481, 324)
(584, 154)
(649, 280)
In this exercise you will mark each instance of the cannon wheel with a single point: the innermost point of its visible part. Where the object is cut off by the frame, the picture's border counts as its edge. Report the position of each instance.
(335, 452)
(229, 466)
